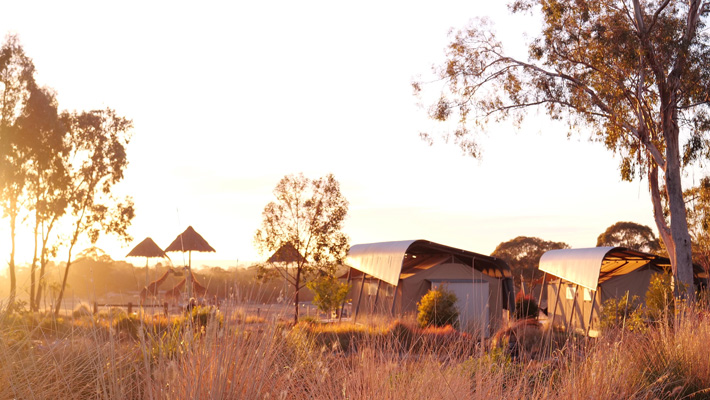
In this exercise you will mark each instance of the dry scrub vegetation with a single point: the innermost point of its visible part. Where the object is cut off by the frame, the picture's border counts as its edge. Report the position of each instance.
(227, 355)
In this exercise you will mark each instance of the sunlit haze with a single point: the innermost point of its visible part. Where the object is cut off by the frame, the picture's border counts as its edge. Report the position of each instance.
(228, 97)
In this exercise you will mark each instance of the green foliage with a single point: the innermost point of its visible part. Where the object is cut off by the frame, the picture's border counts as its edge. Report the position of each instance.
(660, 303)
(699, 221)
(522, 254)
(302, 230)
(624, 72)
(329, 293)
(201, 316)
(526, 308)
(96, 161)
(630, 235)
(438, 308)
(128, 324)
(622, 313)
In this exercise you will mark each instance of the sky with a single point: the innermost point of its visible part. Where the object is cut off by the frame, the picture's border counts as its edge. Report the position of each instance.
(228, 97)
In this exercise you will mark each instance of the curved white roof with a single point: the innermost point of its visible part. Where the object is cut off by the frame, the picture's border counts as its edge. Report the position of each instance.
(385, 260)
(382, 260)
(580, 266)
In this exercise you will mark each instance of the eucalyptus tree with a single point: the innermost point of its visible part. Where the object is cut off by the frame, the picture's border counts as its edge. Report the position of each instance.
(523, 254)
(632, 73)
(97, 160)
(43, 132)
(698, 205)
(16, 81)
(303, 230)
(630, 235)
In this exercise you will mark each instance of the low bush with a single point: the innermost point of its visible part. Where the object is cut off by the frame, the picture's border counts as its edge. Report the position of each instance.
(526, 308)
(622, 313)
(660, 303)
(438, 308)
(127, 324)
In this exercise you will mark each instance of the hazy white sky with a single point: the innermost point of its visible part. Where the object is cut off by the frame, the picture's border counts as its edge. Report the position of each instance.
(228, 97)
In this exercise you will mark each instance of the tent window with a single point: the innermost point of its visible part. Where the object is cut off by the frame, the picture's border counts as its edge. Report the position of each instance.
(587, 294)
(371, 288)
(570, 292)
(389, 290)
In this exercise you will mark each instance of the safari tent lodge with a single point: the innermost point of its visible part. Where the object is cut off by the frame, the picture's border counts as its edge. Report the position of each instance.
(579, 281)
(391, 277)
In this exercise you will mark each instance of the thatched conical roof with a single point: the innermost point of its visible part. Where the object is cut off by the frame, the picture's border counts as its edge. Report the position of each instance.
(190, 241)
(146, 248)
(286, 253)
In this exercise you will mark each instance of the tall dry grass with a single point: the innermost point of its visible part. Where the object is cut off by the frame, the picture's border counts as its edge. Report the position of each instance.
(235, 356)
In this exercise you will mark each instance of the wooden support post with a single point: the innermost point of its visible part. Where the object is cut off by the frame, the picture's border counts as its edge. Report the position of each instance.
(591, 313)
(96, 308)
(543, 286)
(394, 299)
(342, 306)
(130, 307)
(554, 313)
(377, 295)
(574, 303)
(557, 300)
(165, 308)
(357, 308)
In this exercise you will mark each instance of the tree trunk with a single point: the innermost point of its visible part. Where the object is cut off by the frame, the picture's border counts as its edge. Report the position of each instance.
(40, 284)
(681, 255)
(295, 294)
(33, 270)
(11, 263)
(58, 306)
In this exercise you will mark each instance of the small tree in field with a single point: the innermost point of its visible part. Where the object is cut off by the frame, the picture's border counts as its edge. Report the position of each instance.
(302, 227)
(438, 308)
(329, 293)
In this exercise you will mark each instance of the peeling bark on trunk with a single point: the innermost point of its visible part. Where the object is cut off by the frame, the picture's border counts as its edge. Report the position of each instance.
(681, 256)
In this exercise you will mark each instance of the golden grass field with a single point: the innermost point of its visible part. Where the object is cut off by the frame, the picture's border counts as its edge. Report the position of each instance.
(230, 354)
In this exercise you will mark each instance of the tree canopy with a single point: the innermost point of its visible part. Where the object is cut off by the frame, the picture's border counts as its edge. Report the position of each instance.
(699, 221)
(630, 73)
(302, 228)
(523, 256)
(56, 166)
(630, 235)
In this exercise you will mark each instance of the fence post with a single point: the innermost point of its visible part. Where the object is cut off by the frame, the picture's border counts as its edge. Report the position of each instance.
(130, 307)
(165, 308)
(96, 308)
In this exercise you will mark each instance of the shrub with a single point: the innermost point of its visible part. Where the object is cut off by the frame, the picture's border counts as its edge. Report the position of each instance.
(128, 324)
(660, 304)
(438, 308)
(81, 311)
(526, 308)
(201, 315)
(622, 313)
(328, 293)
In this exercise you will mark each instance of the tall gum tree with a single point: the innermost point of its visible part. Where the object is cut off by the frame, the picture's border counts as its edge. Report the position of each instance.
(97, 148)
(16, 81)
(632, 73)
(43, 133)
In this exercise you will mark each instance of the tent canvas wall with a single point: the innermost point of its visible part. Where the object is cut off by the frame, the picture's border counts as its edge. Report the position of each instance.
(586, 278)
(391, 278)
